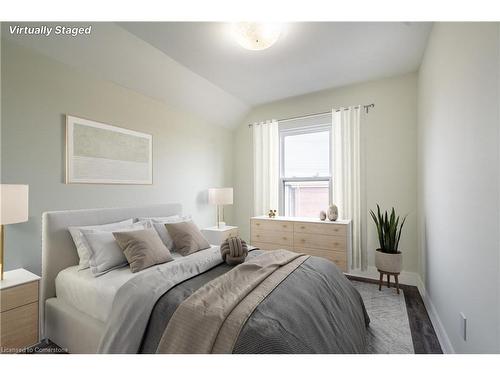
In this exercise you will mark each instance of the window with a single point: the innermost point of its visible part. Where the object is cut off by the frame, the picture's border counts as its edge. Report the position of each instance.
(305, 170)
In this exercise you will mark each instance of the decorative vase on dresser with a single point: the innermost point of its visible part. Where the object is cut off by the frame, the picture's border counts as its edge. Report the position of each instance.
(333, 213)
(327, 239)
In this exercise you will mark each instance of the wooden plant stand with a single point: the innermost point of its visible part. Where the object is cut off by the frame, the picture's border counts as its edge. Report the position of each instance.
(381, 280)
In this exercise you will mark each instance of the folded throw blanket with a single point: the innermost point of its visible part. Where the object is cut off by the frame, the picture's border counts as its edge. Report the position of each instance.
(210, 320)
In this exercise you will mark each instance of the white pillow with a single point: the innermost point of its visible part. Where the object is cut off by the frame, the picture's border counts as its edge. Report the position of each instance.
(104, 252)
(159, 218)
(81, 247)
(159, 224)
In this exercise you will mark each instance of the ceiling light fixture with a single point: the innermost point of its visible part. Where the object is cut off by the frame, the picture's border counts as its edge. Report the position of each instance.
(256, 36)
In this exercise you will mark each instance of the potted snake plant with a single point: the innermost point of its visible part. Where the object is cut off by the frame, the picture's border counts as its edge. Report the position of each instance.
(388, 258)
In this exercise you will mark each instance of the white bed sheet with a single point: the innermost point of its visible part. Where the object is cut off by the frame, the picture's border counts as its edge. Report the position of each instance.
(93, 295)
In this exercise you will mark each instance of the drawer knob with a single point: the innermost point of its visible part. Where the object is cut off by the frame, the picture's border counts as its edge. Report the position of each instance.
(257, 223)
(257, 235)
(302, 227)
(302, 240)
(284, 238)
(284, 225)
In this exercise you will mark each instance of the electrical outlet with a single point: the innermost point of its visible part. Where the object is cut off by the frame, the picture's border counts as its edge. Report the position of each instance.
(463, 326)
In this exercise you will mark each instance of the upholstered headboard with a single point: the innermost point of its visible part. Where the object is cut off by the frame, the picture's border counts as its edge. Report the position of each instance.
(58, 249)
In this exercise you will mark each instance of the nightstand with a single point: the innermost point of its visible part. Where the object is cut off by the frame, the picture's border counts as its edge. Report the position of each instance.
(18, 310)
(216, 236)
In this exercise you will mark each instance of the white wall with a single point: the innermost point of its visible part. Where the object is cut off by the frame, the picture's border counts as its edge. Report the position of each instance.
(113, 54)
(389, 133)
(189, 155)
(458, 131)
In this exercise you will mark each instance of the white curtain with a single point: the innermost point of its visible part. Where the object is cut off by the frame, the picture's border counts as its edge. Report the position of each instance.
(265, 166)
(346, 162)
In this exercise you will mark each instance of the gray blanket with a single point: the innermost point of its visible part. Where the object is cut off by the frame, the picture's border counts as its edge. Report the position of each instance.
(314, 310)
(135, 300)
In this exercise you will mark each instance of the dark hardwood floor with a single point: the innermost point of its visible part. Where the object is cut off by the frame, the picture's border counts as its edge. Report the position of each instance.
(424, 337)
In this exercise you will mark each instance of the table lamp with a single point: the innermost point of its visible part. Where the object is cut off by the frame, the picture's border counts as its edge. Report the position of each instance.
(13, 209)
(220, 197)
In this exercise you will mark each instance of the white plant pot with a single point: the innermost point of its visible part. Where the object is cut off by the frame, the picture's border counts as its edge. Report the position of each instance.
(392, 263)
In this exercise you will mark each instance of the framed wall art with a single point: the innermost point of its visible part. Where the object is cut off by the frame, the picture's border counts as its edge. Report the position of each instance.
(98, 153)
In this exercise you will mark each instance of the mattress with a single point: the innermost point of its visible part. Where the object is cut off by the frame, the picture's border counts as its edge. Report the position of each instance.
(92, 295)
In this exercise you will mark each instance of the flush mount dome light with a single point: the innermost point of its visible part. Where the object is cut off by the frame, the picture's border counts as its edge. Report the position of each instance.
(256, 36)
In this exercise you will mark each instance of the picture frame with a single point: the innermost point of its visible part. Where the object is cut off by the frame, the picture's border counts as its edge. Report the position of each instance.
(99, 153)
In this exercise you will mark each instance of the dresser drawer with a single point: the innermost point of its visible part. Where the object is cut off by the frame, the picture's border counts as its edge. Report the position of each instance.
(282, 226)
(18, 296)
(339, 258)
(269, 246)
(320, 228)
(319, 241)
(274, 237)
(19, 326)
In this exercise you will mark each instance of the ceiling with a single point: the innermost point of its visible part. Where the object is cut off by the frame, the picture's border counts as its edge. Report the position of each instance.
(308, 57)
(200, 69)
(113, 54)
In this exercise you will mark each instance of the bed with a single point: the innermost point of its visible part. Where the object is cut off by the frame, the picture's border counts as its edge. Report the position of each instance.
(312, 308)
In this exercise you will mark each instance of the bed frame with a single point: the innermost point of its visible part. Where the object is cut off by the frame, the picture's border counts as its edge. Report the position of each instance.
(61, 323)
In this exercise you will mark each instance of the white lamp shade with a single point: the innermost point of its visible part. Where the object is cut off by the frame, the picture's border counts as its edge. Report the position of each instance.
(13, 204)
(220, 196)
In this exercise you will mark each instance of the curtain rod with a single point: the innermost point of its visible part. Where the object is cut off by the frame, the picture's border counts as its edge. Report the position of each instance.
(366, 107)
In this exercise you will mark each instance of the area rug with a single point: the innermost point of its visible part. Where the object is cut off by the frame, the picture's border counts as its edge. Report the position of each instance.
(389, 330)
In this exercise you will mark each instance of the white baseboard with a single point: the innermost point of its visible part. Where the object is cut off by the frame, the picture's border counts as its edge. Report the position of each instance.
(408, 278)
(413, 278)
(441, 334)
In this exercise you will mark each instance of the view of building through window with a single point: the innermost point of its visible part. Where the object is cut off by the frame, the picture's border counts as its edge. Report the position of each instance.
(306, 175)
(306, 198)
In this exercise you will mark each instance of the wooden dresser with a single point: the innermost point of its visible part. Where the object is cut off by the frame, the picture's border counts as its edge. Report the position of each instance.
(18, 310)
(327, 239)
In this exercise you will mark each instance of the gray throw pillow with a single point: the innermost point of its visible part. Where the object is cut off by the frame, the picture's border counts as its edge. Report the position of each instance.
(234, 250)
(187, 237)
(158, 223)
(142, 248)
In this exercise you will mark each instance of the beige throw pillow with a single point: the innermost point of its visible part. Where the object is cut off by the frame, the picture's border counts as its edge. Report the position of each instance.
(142, 248)
(187, 237)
